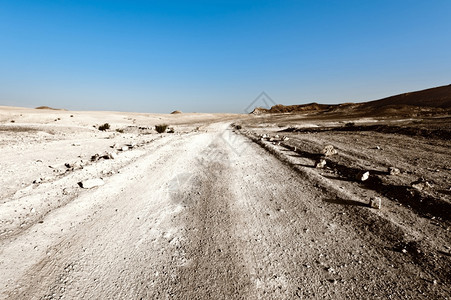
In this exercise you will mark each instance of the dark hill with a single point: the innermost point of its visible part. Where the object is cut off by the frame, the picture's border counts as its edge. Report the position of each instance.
(434, 99)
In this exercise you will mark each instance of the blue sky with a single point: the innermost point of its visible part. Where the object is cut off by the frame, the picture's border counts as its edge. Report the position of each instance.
(218, 56)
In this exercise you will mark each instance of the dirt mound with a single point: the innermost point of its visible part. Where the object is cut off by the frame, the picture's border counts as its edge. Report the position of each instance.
(48, 107)
(259, 110)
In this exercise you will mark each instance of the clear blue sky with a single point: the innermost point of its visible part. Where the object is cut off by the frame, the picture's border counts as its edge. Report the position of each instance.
(217, 56)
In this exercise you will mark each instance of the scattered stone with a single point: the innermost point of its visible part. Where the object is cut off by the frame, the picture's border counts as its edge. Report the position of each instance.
(375, 203)
(363, 175)
(321, 163)
(124, 148)
(329, 150)
(76, 144)
(404, 251)
(77, 165)
(112, 155)
(90, 183)
(421, 184)
(95, 157)
(393, 171)
(378, 148)
(285, 138)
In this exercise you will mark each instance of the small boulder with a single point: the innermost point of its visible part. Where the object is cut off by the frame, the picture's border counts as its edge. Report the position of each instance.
(375, 203)
(112, 155)
(421, 184)
(329, 150)
(90, 183)
(124, 148)
(77, 165)
(320, 164)
(363, 175)
(393, 171)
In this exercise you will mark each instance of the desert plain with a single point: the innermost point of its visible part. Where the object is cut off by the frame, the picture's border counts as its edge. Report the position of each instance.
(349, 202)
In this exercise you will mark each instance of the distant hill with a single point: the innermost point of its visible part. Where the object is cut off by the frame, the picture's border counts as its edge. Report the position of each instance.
(434, 97)
(438, 98)
(47, 107)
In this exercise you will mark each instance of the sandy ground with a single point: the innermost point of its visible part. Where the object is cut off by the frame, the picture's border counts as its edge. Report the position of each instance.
(209, 212)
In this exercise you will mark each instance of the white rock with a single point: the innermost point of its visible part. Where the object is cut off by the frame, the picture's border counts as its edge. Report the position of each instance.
(320, 164)
(124, 148)
(375, 202)
(329, 150)
(393, 171)
(421, 184)
(363, 175)
(90, 183)
(112, 155)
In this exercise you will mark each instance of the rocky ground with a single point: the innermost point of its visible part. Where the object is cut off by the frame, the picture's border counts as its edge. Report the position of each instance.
(213, 211)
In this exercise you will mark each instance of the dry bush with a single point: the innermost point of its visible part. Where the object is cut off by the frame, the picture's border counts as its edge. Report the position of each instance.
(104, 127)
(161, 128)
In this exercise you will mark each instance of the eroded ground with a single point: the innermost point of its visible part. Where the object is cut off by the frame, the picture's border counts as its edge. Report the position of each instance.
(211, 212)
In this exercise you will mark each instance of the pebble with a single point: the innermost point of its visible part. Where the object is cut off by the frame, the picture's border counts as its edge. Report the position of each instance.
(90, 183)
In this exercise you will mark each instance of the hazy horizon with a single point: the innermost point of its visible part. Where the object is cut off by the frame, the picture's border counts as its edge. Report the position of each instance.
(218, 56)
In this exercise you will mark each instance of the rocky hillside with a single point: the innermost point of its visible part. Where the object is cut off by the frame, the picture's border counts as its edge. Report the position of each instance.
(429, 100)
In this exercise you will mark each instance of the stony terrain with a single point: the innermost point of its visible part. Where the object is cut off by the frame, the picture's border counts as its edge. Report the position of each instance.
(226, 207)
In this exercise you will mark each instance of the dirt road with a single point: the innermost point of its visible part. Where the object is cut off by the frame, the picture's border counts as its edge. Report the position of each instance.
(211, 215)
